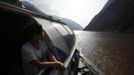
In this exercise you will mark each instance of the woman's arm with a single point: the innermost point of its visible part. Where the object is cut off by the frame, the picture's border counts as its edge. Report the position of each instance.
(50, 46)
(61, 66)
(44, 65)
(51, 56)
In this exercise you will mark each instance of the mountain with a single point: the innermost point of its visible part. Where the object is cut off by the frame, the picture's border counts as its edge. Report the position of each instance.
(73, 25)
(116, 16)
(31, 7)
(14, 2)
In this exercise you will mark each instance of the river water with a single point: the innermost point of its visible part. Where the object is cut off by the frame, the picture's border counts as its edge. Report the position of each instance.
(108, 53)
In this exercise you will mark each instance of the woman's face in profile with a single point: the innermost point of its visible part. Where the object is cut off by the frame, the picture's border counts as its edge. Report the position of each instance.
(40, 36)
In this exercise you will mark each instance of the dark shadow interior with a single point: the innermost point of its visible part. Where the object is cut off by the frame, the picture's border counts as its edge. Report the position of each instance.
(12, 36)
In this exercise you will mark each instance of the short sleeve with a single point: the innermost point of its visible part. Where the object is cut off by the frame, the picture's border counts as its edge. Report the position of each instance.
(28, 55)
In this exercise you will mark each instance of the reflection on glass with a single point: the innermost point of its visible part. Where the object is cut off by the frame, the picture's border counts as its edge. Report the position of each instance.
(65, 34)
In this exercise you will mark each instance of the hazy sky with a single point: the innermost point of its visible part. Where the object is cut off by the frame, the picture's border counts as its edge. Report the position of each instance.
(80, 11)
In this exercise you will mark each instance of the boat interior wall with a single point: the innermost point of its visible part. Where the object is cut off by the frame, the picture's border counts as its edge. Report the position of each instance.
(12, 38)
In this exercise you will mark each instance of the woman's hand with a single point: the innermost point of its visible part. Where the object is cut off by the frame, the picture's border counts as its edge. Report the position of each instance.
(60, 66)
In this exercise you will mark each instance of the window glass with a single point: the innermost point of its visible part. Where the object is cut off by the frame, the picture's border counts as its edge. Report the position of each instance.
(66, 34)
(55, 37)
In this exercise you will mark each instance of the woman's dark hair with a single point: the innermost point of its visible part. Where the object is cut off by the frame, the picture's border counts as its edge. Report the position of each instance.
(34, 29)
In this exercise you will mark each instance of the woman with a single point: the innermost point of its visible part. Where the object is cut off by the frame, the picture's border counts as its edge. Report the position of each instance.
(35, 53)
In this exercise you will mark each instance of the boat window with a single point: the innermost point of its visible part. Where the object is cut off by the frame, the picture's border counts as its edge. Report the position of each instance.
(72, 35)
(55, 37)
(65, 34)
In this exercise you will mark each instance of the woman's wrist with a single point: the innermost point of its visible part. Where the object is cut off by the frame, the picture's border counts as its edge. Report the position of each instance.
(55, 63)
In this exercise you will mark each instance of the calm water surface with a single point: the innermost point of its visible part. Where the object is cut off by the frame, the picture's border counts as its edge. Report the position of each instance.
(110, 53)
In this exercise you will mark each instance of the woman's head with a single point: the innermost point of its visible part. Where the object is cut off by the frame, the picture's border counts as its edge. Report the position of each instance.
(36, 31)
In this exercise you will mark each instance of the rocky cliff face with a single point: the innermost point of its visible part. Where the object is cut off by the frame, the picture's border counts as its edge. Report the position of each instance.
(116, 16)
